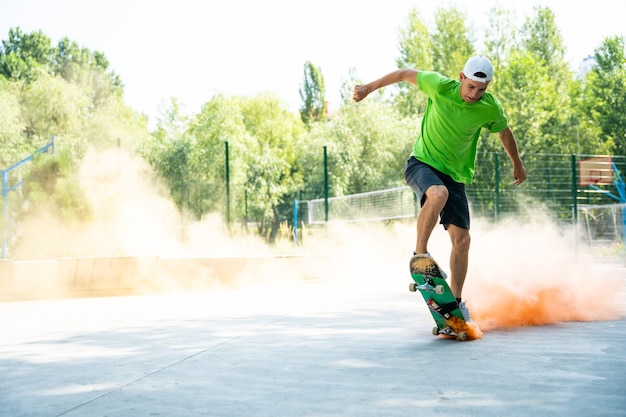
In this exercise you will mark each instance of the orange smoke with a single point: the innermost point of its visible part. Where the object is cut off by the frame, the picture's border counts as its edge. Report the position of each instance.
(520, 277)
(471, 329)
(536, 303)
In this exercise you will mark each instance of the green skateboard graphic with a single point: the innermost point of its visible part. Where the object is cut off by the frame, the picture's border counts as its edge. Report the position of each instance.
(430, 282)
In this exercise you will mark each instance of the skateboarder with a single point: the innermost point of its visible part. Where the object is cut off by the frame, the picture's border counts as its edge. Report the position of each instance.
(443, 156)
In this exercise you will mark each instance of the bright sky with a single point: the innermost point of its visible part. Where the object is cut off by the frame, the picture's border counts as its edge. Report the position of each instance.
(191, 49)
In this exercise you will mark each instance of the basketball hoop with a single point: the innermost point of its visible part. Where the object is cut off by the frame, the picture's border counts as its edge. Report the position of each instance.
(595, 171)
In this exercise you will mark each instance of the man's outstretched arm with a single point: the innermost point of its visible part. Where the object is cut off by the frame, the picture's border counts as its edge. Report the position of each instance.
(363, 90)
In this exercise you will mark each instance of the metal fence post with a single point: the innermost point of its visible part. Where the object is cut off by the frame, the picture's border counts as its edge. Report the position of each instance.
(245, 207)
(325, 184)
(496, 163)
(227, 175)
(575, 200)
(574, 191)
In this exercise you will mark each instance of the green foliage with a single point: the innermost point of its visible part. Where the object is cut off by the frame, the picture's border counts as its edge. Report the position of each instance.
(113, 124)
(271, 173)
(24, 56)
(168, 150)
(12, 141)
(53, 187)
(542, 99)
(451, 42)
(541, 36)
(500, 40)
(416, 53)
(526, 96)
(367, 146)
(66, 92)
(275, 156)
(264, 150)
(51, 105)
(313, 94)
(346, 91)
(605, 93)
(219, 121)
(444, 49)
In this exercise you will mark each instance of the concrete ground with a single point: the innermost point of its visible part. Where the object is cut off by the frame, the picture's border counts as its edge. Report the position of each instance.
(305, 349)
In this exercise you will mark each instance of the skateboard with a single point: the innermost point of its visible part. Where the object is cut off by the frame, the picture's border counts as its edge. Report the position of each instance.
(430, 282)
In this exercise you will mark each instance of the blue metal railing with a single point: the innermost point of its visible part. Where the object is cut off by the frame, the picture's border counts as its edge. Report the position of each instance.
(6, 188)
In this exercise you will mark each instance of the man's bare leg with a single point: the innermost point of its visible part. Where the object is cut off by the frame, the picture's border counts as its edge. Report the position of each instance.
(459, 258)
(436, 197)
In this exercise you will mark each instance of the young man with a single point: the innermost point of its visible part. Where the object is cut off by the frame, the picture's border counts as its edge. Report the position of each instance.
(444, 154)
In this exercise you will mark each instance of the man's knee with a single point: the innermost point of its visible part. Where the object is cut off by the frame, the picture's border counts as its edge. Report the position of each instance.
(460, 238)
(437, 195)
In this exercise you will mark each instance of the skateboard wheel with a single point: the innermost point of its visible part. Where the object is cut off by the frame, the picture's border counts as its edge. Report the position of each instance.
(439, 289)
(412, 287)
(435, 331)
(461, 336)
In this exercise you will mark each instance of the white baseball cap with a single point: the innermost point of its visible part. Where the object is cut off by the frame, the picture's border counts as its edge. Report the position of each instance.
(478, 68)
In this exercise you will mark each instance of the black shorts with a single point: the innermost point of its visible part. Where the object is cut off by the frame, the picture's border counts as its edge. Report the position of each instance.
(420, 176)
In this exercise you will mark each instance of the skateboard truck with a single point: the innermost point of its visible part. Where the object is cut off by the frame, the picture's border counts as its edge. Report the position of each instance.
(448, 331)
(428, 286)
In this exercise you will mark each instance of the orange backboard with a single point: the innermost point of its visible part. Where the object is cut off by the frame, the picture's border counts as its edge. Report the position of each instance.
(594, 171)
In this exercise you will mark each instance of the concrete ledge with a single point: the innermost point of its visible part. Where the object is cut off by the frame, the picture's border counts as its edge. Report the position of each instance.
(107, 276)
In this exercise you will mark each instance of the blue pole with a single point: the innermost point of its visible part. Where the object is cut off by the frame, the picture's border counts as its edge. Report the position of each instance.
(621, 189)
(624, 223)
(5, 212)
(295, 221)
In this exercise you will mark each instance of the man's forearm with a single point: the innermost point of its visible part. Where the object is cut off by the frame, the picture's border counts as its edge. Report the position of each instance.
(510, 146)
(393, 78)
(362, 91)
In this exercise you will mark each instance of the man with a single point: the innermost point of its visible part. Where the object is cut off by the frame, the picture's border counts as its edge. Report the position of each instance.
(444, 154)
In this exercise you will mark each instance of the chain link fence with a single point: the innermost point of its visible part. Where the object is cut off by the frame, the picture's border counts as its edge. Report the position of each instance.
(586, 191)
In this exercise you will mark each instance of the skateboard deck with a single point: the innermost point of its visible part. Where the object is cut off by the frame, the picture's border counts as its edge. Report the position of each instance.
(444, 308)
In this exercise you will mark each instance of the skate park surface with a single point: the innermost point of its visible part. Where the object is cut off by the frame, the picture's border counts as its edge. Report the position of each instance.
(312, 346)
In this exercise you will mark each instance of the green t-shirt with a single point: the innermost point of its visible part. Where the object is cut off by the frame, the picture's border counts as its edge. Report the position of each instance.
(451, 127)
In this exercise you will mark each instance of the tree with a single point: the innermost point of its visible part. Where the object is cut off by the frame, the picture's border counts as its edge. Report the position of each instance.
(500, 47)
(170, 158)
(451, 42)
(23, 56)
(12, 141)
(313, 94)
(346, 90)
(500, 40)
(541, 79)
(51, 106)
(273, 173)
(605, 93)
(367, 146)
(526, 97)
(204, 175)
(89, 69)
(264, 152)
(541, 35)
(415, 52)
